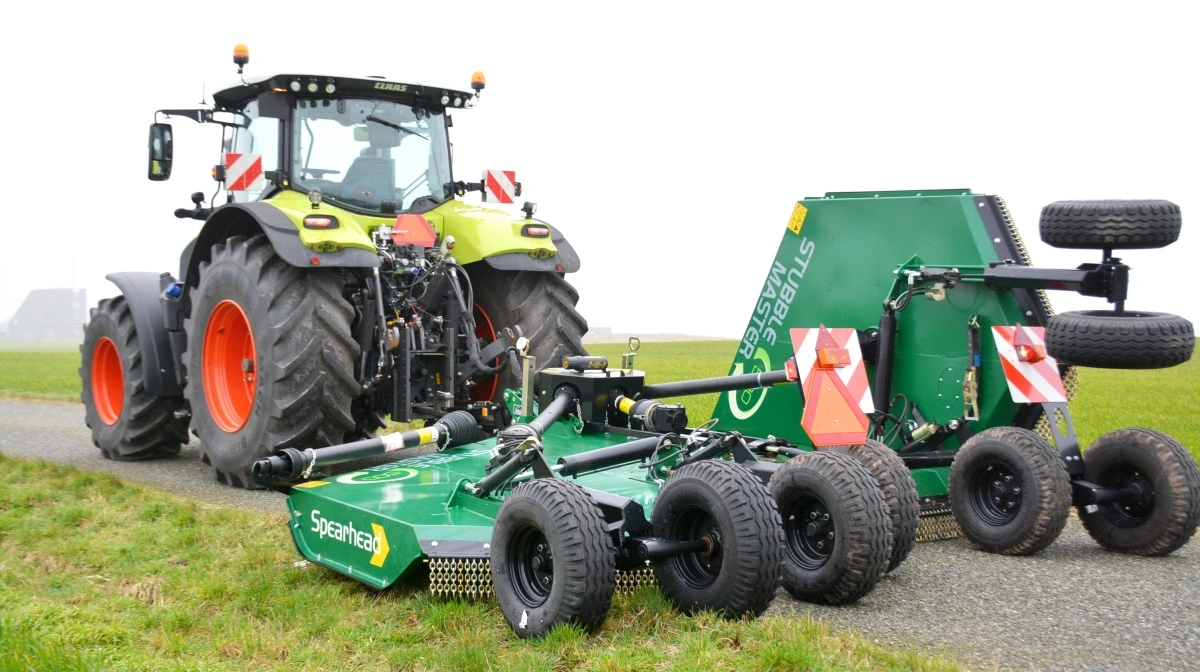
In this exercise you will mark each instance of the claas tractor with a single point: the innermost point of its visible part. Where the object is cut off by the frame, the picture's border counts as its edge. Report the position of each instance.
(338, 278)
(930, 350)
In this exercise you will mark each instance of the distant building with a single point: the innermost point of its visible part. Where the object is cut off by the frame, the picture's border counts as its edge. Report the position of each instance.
(50, 314)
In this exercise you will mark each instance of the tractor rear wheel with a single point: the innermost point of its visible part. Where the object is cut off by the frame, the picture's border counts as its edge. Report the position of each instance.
(542, 304)
(899, 494)
(726, 506)
(1098, 225)
(1009, 491)
(837, 527)
(1133, 340)
(552, 558)
(127, 422)
(1166, 511)
(270, 358)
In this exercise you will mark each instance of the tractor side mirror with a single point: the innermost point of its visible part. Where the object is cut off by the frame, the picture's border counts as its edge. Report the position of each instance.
(160, 152)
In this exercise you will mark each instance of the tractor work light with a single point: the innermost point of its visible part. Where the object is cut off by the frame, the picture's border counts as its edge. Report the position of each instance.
(312, 87)
(457, 101)
(445, 99)
(330, 88)
(295, 85)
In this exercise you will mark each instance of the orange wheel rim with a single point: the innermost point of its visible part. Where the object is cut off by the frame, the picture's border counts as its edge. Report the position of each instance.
(485, 388)
(108, 381)
(229, 366)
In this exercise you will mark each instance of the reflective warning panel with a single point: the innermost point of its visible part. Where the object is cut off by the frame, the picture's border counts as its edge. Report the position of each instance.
(1032, 375)
(834, 380)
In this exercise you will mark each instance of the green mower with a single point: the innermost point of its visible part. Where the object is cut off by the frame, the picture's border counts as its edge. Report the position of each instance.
(956, 373)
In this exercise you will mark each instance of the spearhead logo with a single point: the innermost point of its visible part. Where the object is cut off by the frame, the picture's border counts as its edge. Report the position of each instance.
(375, 541)
(745, 403)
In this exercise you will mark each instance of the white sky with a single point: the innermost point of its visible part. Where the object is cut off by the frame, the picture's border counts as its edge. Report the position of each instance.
(652, 135)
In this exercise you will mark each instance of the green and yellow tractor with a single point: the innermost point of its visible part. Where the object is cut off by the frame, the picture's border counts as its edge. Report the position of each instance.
(338, 278)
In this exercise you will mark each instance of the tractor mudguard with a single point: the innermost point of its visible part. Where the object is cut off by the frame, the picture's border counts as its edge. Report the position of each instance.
(566, 261)
(142, 293)
(248, 219)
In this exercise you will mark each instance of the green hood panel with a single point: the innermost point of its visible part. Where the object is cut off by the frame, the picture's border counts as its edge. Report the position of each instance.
(478, 232)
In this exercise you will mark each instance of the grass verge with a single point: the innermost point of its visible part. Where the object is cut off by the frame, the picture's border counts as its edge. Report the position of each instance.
(97, 574)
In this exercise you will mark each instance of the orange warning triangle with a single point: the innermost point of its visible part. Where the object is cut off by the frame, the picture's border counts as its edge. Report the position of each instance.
(831, 416)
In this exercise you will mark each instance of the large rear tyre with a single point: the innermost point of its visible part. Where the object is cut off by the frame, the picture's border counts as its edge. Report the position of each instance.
(127, 422)
(1097, 225)
(1166, 511)
(1009, 491)
(552, 558)
(1133, 340)
(542, 304)
(270, 358)
(728, 507)
(837, 527)
(899, 494)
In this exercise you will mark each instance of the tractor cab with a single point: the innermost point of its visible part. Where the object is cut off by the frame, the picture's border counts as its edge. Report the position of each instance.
(369, 146)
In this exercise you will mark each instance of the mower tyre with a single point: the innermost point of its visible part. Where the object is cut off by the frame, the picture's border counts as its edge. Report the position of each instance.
(552, 558)
(899, 494)
(729, 507)
(542, 304)
(837, 528)
(270, 358)
(1098, 225)
(1163, 472)
(127, 421)
(1132, 340)
(1009, 491)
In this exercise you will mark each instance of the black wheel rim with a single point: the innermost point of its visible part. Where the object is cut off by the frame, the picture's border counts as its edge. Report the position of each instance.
(1135, 510)
(530, 566)
(810, 531)
(996, 493)
(698, 570)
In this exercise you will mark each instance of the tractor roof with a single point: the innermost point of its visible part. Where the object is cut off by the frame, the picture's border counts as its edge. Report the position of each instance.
(235, 97)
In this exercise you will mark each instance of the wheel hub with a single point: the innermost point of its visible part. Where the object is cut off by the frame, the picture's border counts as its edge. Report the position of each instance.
(531, 566)
(809, 530)
(997, 493)
(108, 381)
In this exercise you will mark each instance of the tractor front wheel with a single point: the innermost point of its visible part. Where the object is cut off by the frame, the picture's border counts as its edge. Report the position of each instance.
(1009, 491)
(270, 358)
(839, 533)
(127, 421)
(1165, 510)
(552, 558)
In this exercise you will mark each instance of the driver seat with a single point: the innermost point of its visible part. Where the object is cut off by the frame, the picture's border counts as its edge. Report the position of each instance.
(370, 179)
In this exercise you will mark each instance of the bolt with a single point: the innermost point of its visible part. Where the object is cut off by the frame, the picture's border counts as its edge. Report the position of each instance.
(996, 500)
(812, 515)
(546, 580)
(1007, 478)
(996, 484)
(826, 516)
(791, 517)
(820, 544)
(829, 536)
(1016, 491)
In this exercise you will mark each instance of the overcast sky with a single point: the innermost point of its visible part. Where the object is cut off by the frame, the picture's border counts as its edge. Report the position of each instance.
(659, 138)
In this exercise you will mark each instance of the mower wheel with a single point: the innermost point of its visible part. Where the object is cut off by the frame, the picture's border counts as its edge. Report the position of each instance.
(727, 506)
(270, 357)
(542, 304)
(127, 422)
(1132, 340)
(1163, 474)
(836, 525)
(552, 558)
(899, 494)
(1009, 491)
(1098, 225)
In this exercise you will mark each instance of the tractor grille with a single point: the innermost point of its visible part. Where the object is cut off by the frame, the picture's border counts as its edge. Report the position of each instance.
(471, 578)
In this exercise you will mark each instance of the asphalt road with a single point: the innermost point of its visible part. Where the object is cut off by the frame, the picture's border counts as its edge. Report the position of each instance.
(1070, 607)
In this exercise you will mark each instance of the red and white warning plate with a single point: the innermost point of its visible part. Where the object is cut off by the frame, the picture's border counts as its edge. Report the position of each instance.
(499, 185)
(243, 172)
(1029, 382)
(853, 376)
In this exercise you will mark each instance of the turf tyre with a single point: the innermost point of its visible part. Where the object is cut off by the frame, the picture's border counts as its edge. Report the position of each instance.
(303, 363)
(1110, 224)
(1133, 340)
(1163, 520)
(845, 495)
(127, 421)
(578, 589)
(1031, 477)
(899, 494)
